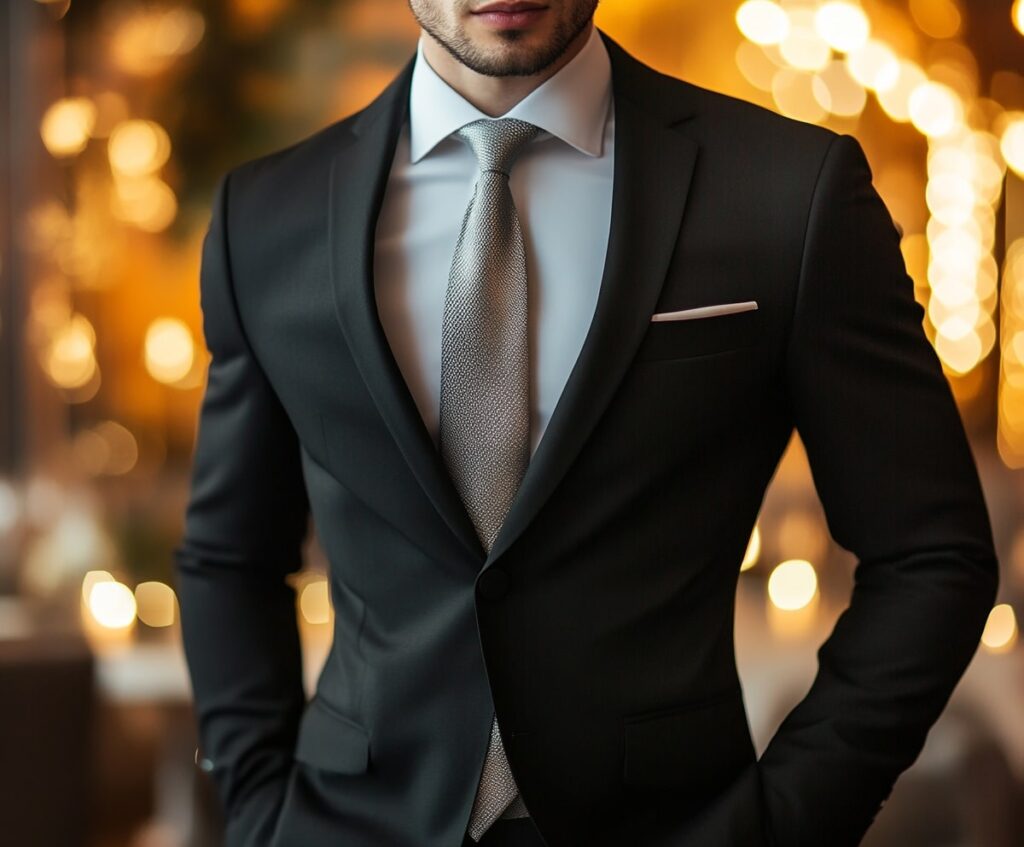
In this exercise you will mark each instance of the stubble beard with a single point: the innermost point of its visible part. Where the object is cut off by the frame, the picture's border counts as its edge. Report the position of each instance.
(463, 50)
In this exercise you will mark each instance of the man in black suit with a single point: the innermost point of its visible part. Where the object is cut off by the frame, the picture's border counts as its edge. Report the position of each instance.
(752, 283)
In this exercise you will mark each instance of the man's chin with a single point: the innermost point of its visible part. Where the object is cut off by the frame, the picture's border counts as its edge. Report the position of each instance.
(513, 52)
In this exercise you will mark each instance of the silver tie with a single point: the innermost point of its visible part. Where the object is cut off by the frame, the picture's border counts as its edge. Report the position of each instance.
(485, 411)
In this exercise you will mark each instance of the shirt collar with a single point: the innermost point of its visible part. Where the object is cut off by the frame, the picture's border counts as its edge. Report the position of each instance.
(572, 104)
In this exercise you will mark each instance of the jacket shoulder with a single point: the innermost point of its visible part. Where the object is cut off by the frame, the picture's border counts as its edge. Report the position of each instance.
(722, 118)
(309, 149)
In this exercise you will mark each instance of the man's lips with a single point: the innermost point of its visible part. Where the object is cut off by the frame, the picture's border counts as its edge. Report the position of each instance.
(521, 6)
(504, 15)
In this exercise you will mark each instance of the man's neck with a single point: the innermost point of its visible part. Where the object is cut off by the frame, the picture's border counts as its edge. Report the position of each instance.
(493, 95)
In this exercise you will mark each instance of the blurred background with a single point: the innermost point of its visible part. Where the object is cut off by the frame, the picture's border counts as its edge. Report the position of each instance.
(117, 118)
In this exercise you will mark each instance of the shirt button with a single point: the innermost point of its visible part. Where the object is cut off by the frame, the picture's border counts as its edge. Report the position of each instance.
(492, 583)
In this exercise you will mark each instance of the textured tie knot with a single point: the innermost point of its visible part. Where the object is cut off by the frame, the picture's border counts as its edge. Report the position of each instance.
(496, 142)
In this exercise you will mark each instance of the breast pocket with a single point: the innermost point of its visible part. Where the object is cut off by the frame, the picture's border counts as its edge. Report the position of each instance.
(703, 336)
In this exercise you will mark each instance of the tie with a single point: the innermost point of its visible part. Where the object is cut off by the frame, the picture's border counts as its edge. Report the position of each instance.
(484, 412)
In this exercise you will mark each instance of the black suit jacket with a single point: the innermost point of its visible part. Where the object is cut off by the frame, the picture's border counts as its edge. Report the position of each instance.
(600, 626)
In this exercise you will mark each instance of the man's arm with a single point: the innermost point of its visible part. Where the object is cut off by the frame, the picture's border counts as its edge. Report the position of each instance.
(894, 471)
(245, 524)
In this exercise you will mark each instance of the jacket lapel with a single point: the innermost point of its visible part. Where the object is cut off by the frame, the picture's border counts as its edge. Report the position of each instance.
(358, 178)
(654, 164)
(653, 168)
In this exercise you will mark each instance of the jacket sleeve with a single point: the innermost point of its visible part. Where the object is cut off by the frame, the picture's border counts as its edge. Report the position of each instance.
(896, 477)
(245, 525)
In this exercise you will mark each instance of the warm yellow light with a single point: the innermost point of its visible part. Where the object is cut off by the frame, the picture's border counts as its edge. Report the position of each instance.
(949, 293)
(755, 65)
(753, 550)
(146, 202)
(92, 578)
(937, 18)
(1012, 144)
(803, 48)
(169, 350)
(138, 147)
(843, 25)
(935, 109)
(762, 22)
(958, 344)
(107, 448)
(792, 584)
(156, 604)
(70, 361)
(838, 92)
(793, 93)
(958, 246)
(1013, 348)
(894, 97)
(315, 602)
(875, 65)
(148, 40)
(112, 605)
(1018, 16)
(951, 198)
(1000, 629)
(66, 125)
(941, 313)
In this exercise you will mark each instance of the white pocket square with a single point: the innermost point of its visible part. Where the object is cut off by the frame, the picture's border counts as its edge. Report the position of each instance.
(705, 311)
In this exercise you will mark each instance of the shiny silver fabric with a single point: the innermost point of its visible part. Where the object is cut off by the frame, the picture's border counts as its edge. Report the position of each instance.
(485, 391)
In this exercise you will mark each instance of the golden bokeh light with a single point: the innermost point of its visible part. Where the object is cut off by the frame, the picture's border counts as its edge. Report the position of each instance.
(894, 94)
(950, 198)
(843, 25)
(156, 604)
(112, 604)
(1017, 14)
(793, 93)
(1012, 144)
(875, 65)
(169, 350)
(69, 360)
(755, 65)
(792, 585)
(93, 578)
(137, 148)
(935, 109)
(1000, 633)
(148, 40)
(66, 126)
(315, 602)
(753, 552)
(803, 47)
(107, 448)
(762, 21)
(937, 18)
(838, 92)
(147, 203)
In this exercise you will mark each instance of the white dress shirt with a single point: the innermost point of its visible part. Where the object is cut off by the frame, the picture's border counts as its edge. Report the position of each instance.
(561, 184)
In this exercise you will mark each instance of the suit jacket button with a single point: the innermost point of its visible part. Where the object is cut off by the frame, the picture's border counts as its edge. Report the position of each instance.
(492, 583)
(204, 763)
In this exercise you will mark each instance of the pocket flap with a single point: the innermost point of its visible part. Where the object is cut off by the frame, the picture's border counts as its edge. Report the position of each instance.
(330, 740)
(697, 747)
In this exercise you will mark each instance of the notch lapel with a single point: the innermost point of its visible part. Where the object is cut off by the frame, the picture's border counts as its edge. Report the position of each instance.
(358, 177)
(653, 168)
